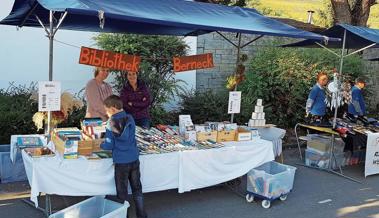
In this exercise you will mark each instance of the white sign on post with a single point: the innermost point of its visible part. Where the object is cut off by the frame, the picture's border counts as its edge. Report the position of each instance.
(234, 106)
(372, 154)
(49, 96)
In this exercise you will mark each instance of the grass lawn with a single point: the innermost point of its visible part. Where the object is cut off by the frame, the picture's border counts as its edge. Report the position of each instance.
(297, 9)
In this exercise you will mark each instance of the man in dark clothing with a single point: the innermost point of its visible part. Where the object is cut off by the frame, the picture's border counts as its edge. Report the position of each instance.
(120, 138)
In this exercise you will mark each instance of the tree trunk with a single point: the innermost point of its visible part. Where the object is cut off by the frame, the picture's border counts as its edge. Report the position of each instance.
(361, 12)
(341, 11)
(357, 14)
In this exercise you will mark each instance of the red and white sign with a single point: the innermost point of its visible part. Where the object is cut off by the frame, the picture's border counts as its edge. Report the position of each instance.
(109, 59)
(193, 62)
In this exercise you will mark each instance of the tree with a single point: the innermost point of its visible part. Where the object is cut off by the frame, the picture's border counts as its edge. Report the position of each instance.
(156, 67)
(355, 12)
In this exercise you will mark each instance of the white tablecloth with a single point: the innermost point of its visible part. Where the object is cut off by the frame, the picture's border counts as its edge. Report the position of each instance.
(185, 170)
(203, 168)
(275, 135)
(13, 145)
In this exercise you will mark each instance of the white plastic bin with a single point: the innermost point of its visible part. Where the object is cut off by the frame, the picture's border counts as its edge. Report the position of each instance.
(95, 207)
(271, 180)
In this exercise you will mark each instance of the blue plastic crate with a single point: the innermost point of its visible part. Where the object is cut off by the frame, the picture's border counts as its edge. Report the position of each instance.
(11, 172)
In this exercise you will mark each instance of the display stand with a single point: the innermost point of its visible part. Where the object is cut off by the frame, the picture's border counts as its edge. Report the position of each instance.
(332, 156)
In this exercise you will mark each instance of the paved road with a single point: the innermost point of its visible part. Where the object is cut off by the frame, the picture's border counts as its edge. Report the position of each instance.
(316, 194)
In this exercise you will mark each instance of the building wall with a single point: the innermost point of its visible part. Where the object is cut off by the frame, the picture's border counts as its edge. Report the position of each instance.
(224, 57)
(372, 68)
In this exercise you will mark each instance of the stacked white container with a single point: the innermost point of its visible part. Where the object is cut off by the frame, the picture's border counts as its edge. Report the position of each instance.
(258, 116)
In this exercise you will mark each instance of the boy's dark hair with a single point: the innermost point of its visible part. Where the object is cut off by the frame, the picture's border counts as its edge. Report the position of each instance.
(360, 80)
(113, 101)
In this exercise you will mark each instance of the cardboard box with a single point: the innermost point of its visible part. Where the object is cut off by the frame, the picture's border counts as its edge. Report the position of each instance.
(71, 149)
(322, 143)
(243, 134)
(204, 136)
(226, 136)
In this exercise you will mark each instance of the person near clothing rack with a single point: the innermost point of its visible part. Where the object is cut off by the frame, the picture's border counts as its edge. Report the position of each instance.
(357, 105)
(316, 102)
(97, 90)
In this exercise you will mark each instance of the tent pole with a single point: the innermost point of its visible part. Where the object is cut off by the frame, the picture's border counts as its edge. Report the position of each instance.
(237, 63)
(340, 75)
(51, 46)
(329, 50)
(359, 50)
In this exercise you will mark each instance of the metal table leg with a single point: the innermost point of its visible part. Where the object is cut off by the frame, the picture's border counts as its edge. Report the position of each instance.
(298, 142)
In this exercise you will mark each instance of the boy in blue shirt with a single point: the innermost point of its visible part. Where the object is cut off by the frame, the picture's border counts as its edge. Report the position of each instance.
(357, 106)
(120, 138)
(316, 102)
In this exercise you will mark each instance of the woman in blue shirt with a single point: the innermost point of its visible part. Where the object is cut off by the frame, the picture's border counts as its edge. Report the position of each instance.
(316, 103)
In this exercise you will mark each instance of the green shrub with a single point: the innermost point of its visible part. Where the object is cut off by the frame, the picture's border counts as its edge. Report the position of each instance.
(205, 106)
(16, 109)
(283, 78)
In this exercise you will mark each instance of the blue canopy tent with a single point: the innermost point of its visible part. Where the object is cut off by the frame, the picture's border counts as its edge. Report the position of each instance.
(163, 17)
(353, 37)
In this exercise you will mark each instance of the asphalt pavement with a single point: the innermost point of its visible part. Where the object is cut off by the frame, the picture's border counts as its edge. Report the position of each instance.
(316, 194)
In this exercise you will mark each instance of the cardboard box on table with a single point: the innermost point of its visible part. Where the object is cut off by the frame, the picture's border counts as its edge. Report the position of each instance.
(204, 136)
(243, 134)
(69, 148)
(226, 136)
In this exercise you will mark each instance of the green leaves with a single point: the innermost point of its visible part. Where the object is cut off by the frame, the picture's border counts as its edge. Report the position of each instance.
(16, 109)
(283, 78)
(156, 66)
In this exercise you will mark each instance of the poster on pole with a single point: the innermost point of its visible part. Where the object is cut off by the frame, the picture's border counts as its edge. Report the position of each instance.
(234, 106)
(49, 96)
(372, 154)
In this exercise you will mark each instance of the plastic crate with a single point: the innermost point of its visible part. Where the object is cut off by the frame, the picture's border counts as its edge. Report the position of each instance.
(95, 207)
(271, 180)
(11, 172)
(316, 159)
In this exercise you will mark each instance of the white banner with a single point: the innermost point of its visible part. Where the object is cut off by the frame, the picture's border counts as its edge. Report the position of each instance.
(234, 106)
(372, 154)
(49, 96)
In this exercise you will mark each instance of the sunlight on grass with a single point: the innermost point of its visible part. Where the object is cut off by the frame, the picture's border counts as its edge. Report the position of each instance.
(297, 9)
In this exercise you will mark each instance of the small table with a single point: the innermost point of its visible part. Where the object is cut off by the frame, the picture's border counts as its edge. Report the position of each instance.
(316, 128)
